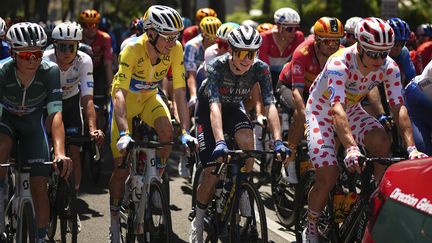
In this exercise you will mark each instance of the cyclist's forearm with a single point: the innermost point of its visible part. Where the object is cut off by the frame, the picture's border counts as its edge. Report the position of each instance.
(87, 103)
(182, 109)
(191, 83)
(216, 121)
(108, 73)
(342, 127)
(58, 134)
(404, 124)
(273, 120)
(299, 104)
(120, 109)
(257, 100)
(375, 101)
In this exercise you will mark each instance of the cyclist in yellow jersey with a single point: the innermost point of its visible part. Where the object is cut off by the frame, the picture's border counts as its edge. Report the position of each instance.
(142, 65)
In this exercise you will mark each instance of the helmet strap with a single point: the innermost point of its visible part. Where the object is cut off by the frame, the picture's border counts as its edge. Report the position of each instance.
(361, 55)
(153, 42)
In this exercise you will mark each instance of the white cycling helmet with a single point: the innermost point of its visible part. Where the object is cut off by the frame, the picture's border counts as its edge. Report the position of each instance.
(374, 33)
(286, 16)
(225, 29)
(250, 22)
(245, 37)
(351, 24)
(163, 19)
(67, 31)
(26, 34)
(2, 27)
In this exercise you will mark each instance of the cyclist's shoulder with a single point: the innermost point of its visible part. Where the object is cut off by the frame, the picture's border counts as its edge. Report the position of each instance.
(103, 35)
(49, 54)
(304, 51)
(218, 63)
(83, 58)
(48, 67)
(195, 42)
(6, 64)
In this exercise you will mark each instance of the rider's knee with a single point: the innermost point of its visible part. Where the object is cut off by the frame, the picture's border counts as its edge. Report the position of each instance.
(326, 178)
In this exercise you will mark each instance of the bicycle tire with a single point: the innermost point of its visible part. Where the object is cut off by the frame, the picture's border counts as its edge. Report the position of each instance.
(252, 230)
(68, 213)
(128, 235)
(301, 211)
(52, 224)
(166, 186)
(160, 231)
(28, 224)
(195, 184)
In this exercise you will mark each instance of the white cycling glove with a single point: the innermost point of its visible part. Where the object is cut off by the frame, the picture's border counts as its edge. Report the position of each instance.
(192, 101)
(261, 120)
(352, 156)
(123, 142)
(413, 153)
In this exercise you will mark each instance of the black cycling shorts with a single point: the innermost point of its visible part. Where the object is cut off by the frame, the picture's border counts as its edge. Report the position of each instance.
(73, 117)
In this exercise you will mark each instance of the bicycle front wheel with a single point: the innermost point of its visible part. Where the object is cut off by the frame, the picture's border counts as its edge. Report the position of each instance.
(68, 214)
(248, 220)
(27, 230)
(158, 227)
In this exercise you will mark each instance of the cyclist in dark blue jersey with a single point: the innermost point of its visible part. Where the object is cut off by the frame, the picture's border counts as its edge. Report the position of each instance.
(4, 47)
(27, 84)
(400, 52)
(230, 78)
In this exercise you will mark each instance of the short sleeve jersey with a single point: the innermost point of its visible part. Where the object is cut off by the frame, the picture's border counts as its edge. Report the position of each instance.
(270, 53)
(222, 86)
(138, 76)
(43, 90)
(78, 77)
(341, 81)
(424, 81)
(194, 54)
(304, 67)
(102, 48)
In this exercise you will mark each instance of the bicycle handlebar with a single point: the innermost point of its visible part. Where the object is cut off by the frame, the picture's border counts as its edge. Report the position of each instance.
(381, 160)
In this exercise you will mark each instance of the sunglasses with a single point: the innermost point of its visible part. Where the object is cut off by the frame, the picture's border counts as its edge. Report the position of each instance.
(290, 28)
(250, 54)
(62, 47)
(222, 44)
(29, 55)
(89, 25)
(169, 38)
(376, 54)
(329, 41)
(400, 43)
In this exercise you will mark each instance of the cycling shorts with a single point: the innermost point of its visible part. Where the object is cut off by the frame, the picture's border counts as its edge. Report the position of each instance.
(148, 109)
(235, 119)
(286, 99)
(29, 130)
(100, 90)
(73, 119)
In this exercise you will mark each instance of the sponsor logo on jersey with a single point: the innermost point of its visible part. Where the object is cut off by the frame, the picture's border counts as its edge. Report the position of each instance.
(166, 60)
(140, 86)
(124, 64)
(71, 80)
(296, 69)
(331, 92)
(140, 61)
(90, 84)
(334, 72)
(57, 91)
(160, 75)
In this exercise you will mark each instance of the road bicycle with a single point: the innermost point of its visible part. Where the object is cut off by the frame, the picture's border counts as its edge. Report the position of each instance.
(144, 214)
(62, 198)
(236, 214)
(345, 217)
(20, 221)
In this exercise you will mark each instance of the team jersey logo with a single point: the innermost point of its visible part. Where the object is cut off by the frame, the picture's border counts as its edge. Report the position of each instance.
(141, 86)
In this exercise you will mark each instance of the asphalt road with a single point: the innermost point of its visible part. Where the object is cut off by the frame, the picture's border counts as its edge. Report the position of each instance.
(93, 206)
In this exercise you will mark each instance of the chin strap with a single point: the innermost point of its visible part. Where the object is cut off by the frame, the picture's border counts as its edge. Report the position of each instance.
(361, 54)
(153, 43)
(237, 69)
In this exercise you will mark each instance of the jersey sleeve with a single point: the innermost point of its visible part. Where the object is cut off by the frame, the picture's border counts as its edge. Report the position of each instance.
(265, 81)
(392, 81)
(127, 60)
(213, 77)
(53, 90)
(86, 75)
(298, 69)
(337, 76)
(285, 74)
(108, 51)
(177, 67)
(407, 65)
(190, 56)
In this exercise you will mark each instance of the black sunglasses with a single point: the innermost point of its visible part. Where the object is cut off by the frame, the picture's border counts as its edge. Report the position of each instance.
(376, 54)
(62, 47)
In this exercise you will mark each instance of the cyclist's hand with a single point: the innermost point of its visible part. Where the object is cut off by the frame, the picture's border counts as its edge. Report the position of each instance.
(67, 165)
(186, 137)
(386, 121)
(220, 150)
(98, 136)
(282, 151)
(413, 153)
(192, 101)
(262, 120)
(352, 159)
(123, 142)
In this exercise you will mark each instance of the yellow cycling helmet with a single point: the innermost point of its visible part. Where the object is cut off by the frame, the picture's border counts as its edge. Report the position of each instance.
(209, 26)
(204, 12)
(328, 27)
(89, 16)
(264, 27)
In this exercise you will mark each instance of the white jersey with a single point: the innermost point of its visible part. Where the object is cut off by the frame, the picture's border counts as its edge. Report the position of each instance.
(78, 77)
(128, 40)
